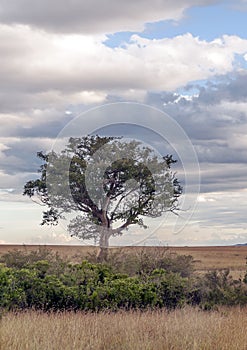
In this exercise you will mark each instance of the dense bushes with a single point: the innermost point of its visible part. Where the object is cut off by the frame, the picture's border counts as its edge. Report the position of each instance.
(86, 286)
(42, 280)
(219, 288)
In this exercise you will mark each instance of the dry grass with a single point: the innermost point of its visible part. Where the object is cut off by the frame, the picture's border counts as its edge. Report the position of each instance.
(216, 257)
(206, 258)
(185, 329)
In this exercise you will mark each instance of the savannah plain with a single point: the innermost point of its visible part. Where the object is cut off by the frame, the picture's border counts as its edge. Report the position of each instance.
(182, 329)
(205, 258)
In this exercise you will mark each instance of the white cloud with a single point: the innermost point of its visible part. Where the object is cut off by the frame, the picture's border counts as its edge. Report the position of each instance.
(205, 198)
(39, 70)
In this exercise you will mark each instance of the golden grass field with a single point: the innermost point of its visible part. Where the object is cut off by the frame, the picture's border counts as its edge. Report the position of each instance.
(185, 329)
(206, 258)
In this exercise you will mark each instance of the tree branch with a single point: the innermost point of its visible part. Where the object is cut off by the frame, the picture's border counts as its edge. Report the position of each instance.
(120, 200)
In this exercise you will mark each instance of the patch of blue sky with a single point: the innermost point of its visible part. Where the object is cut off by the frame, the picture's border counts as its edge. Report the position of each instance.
(194, 88)
(205, 22)
(118, 39)
(240, 62)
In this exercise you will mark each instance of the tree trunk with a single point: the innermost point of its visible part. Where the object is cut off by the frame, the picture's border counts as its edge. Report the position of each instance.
(103, 245)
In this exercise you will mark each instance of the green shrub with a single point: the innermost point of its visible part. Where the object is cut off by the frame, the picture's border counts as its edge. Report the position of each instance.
(54, 284)
(218, 288)
(123, 292)
(11, 295)
(171, 288)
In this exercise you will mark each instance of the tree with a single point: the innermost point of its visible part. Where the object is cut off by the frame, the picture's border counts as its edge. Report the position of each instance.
(112, 184)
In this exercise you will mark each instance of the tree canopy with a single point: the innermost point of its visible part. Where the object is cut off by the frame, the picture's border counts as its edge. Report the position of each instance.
(109, 182)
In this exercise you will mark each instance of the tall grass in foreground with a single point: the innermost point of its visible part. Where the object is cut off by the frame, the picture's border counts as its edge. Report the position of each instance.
(184, 329)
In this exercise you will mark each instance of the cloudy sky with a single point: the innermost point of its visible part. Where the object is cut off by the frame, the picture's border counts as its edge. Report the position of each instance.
(187, 58)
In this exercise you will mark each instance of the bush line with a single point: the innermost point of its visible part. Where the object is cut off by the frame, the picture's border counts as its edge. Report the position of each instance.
(42, 280)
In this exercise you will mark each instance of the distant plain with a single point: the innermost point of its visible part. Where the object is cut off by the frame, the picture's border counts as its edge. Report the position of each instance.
(205, 257)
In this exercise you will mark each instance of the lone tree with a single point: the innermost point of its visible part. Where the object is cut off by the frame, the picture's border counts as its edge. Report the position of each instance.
(109, 182)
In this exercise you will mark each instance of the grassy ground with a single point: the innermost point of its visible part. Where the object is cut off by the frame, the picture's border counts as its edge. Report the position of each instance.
(185, 329)
(206, 258)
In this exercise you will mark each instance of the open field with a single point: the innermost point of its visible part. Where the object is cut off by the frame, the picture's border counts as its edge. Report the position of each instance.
(206, 258)
(185, 329)
(209, 258)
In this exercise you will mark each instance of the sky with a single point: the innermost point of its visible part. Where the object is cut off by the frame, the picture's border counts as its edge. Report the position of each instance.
(185, 59)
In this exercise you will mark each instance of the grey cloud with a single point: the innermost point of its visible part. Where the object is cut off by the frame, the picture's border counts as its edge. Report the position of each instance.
(210, 240)
(216, 122)
(223, 177)
(209, 115)
(92, 16)
(157, 98)
(20, 156)
(16, 181)
(217, 152)
(44, 128)
(223, 212)
(208, 128)
(34, 123)
(231, 87)
(224, 88)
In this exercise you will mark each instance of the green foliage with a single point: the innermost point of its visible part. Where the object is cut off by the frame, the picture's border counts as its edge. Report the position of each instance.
(54, 284)
(123, 292)
(85, 286)
(219, 288)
